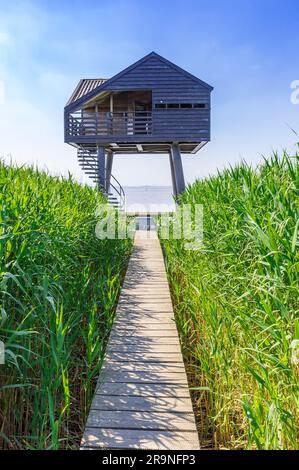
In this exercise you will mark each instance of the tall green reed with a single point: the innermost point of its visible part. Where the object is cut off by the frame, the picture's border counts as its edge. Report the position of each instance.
(236, 304)
(59, 286)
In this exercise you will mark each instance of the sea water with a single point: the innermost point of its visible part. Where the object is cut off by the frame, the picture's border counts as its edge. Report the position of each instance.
(149, 199)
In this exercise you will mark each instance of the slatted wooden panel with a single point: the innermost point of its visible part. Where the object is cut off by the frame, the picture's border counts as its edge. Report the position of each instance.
(142, 398)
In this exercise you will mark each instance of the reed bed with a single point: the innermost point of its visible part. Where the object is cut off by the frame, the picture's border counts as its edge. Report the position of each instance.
(236, 306)
(59, 286)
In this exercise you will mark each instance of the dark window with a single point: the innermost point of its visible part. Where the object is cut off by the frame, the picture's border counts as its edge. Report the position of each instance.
(178, 105)
(186, 105)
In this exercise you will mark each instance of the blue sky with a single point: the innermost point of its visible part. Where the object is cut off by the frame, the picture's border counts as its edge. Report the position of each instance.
(248, 50)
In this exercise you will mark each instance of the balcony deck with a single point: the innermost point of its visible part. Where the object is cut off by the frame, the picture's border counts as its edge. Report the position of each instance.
(106, 124)
(127, 127)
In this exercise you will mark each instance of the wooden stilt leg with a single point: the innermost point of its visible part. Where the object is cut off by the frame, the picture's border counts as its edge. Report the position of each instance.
(178, 168)
(109, 163)
(174, 189)
(101, 167)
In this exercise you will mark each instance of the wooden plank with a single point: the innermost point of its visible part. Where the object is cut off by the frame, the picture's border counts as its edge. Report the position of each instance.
(151, 320)
(144, 377)
(124, 326)
(144, 348)
(144, 356)
(137, 285)
(131, 316)
(144, 340)
(156, 262)
(146, 290)
(146, 296)
(119, 333)
(143, 308)
(152, 269)
(139, 324)
(143, 390)
(127, 419)
(137, 288)
(143, 293)
(143, 305)
(97, 438)
(148, 285)
(144, 403)
(133, 319)
(153, 368)
(146, 282)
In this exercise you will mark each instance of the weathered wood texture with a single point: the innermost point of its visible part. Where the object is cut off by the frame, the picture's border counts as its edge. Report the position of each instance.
(142, 398)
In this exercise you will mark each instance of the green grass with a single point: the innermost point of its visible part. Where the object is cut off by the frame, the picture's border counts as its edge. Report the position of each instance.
(59, 285)
(236, 306)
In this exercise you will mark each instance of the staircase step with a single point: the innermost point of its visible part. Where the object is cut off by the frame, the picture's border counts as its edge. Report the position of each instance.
(87, 159)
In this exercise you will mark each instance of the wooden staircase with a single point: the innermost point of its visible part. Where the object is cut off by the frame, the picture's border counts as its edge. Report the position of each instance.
(114, 191)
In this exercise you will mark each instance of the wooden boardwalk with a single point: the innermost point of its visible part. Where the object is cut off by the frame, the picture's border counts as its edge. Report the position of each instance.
(142, 398)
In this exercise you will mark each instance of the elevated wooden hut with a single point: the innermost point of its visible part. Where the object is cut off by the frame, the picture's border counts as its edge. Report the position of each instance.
(152, 106)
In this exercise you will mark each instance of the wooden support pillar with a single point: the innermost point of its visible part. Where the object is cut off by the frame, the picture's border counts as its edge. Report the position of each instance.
(177, 169)
(101, 167)
(174, 190)
(111, 103)
(110, 114)
(109, 163)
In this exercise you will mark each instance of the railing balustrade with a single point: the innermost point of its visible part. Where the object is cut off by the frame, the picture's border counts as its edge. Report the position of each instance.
(119, 123)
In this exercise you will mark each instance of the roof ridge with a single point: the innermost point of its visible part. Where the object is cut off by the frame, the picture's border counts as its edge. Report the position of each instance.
(96, 78)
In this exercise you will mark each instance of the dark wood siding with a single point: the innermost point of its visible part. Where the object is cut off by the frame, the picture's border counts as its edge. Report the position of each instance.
(170, 86)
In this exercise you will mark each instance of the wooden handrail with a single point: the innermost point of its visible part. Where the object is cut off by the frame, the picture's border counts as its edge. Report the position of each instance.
(107, 123)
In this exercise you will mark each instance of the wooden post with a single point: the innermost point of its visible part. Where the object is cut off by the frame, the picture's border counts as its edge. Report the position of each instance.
(96, 118)
(174, 190)
(109, 162)
(177, 168)
(111, 117)
(101, 167)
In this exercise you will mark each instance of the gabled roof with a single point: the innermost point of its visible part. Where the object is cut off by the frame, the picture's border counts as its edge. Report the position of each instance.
(85, 86)
(72, 103)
